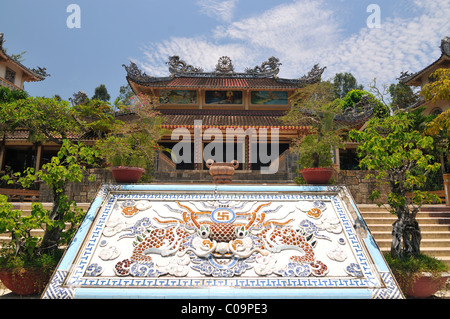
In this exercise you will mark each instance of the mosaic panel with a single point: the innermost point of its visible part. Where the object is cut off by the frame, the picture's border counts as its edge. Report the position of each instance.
(235, 239)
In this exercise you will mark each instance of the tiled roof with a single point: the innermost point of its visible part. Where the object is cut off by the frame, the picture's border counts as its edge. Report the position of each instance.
(224, 119)
(442, 62)
(222, 82)
(33, 75)
(24, 135)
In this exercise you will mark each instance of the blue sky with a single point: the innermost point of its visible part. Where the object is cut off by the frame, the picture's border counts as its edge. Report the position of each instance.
(332, 33)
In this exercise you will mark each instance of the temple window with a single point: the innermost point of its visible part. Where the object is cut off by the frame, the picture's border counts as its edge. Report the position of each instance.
(10, 75)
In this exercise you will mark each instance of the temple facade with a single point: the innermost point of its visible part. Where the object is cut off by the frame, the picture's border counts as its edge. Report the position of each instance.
(225, 115)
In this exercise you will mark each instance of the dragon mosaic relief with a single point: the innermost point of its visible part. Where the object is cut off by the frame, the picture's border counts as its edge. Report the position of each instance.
(219, 239)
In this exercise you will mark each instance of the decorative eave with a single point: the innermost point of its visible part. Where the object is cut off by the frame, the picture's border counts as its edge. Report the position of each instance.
(183, 75)
(443, 61)
(31, 75)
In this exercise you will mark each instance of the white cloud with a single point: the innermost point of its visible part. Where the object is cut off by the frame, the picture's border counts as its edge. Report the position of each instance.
(198, 52)
(294, 32)
(305, 32)
(223, 10)
(399, 45)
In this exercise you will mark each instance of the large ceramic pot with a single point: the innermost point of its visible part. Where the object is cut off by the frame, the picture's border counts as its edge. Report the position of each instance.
(317, 175)
(125, 174)
(426, 286)
(222, 173)
(25, 281)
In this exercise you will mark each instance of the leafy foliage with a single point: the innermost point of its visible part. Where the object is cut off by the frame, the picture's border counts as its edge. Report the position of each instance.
(397, 152)
(134, 143)
(7, 95)
(315, 106)
(402, 96)
(439, 86)
(407, 269)
(47, 119)
(344, 83)
(67, 166)
(353, 97)
(101, 93)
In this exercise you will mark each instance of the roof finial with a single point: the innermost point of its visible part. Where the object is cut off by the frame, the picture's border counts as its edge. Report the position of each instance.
(445, 46)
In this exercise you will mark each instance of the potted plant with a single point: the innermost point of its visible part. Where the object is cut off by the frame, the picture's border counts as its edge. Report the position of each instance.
(419, 276)
(397, 152)
(23, 269)
(129, 148)
(315, 106)
(27, 261)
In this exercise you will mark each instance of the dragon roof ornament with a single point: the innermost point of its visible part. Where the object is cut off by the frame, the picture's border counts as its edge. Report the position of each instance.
(225, 68)
(445, 46)
(267, 68)
(135, 73)
(179, 67)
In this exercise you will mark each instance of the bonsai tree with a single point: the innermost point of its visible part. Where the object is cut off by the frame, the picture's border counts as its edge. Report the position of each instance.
(95, 116)
(397, 152)
(315, 106)
(134, 143)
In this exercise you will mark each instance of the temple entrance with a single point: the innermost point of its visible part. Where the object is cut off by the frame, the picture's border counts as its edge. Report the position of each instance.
(250, 159)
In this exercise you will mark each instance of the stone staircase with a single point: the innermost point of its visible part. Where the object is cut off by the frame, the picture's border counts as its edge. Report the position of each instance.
(434, 223)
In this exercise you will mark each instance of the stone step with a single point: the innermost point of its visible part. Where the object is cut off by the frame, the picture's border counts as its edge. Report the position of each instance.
(421, 214)
(431, 235)
(423, 221)
(434, 223)
(424, 243)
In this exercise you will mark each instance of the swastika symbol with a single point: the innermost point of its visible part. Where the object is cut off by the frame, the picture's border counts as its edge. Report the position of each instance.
(223, 215)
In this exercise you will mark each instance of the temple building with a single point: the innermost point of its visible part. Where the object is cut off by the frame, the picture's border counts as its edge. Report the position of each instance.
(14, 74)
(423, 77)
(16, 151)
(200, 107)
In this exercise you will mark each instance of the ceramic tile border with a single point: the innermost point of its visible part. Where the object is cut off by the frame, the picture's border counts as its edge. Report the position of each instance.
(68, 280)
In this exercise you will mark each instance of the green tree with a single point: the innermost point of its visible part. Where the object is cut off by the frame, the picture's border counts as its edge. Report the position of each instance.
(67, 167)
(397, 151)
(8, 96)
(402, 95)
(134, 143)
(315, 106)
(439, 86)
(126, 94)
(47, 119)
(101, 93)
(439, 127)
(96, 116)
(344, 83)
(59, 223)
